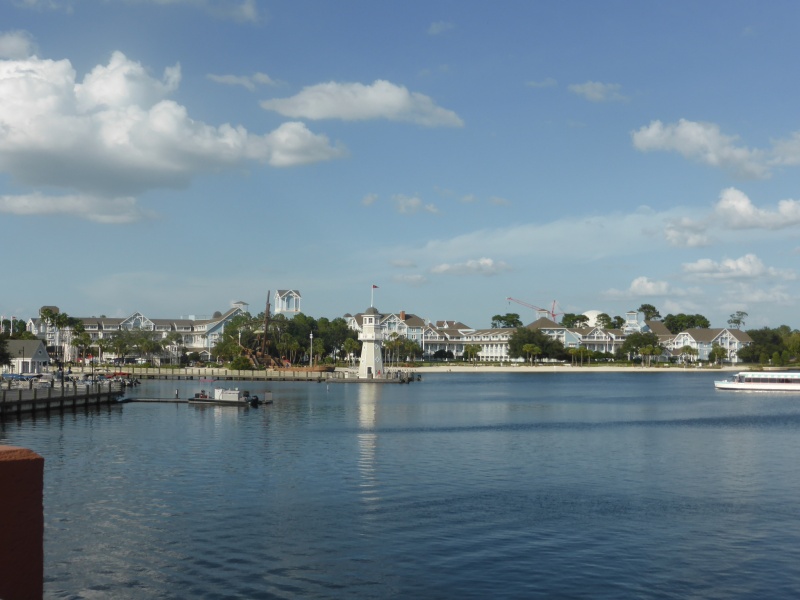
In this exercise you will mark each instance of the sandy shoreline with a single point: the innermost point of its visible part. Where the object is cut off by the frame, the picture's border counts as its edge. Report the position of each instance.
(571, 369)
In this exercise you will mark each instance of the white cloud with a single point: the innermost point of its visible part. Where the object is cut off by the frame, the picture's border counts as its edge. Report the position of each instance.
(703, 142)
(469, 198)
(595, 91)
(248, 82)
(498, 201)
(115, 134)
(686, 233)
(16, 45)
(643, 286)
(407, 205)
(293, 144)
(440, 27)
(98, 210)
(480, 266)
(123, 83)
(369, 199)
(747, 267)
(359, 102)
(736, 211)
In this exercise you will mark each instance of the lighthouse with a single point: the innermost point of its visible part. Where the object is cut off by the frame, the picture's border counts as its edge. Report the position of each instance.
(371, 342)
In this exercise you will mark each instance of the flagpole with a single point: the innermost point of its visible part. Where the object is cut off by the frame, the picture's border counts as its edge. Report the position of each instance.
(372, 296)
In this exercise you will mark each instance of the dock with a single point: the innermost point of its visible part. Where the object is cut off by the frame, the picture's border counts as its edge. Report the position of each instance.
(22, 400)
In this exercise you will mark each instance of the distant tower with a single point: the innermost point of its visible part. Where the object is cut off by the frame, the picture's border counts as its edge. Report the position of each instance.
(371, 343)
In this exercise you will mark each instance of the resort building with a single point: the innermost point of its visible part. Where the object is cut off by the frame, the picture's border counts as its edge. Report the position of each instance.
(454, 336)
(704, 340)
(196, 335)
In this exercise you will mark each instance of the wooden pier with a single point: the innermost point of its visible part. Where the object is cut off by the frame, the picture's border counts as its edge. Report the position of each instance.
(20, 400)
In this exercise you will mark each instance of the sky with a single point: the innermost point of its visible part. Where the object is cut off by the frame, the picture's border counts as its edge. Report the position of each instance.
(171, 157)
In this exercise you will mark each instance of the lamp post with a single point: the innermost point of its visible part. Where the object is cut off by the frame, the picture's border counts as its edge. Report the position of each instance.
(311, 351)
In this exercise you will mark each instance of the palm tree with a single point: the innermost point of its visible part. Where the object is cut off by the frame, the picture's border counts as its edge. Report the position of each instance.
(471, 351)
(351, 347)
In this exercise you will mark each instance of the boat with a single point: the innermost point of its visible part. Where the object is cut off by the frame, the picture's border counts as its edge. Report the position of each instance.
(759, 381)
(230, 397)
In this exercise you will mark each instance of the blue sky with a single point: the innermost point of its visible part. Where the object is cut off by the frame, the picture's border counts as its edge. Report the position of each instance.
(173, 156)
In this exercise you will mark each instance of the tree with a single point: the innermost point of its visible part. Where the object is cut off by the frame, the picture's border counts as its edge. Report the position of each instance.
(683, 322)
(571, 320)
(619, 322)
(82, 341)
(5, 355)
(471, 351)
(352, 348)
(173, 342)
(604, 321)
(532, 351)
(241, 363)
(635, 342)
(443, 355)
(766, 342)
(508, 320)
(737, 319)
(650, 312)
(550, 348)
(687, 353)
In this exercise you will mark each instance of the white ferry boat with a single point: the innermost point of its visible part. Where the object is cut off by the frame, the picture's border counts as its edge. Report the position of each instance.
(761, 381)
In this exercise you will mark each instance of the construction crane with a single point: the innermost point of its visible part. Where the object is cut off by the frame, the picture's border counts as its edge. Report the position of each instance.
(551, 312)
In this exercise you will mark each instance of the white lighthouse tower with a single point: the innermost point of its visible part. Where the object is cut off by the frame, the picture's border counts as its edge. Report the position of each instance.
(371, 342)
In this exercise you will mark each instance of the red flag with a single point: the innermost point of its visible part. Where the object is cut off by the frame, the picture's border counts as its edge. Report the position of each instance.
(374, 287)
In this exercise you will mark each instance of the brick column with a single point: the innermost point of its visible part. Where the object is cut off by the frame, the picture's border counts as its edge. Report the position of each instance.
(21, 524)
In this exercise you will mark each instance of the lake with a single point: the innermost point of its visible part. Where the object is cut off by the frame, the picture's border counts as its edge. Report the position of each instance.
(506, 485)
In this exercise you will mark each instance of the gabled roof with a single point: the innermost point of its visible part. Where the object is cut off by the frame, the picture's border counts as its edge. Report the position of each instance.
(544, 323)
(708, 335)
(658, 328)
(27, 348)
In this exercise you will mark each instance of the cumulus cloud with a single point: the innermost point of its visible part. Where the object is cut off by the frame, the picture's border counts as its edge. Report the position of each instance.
(407, 205)
(359, 102)
(736, 211)
(747, 267)
(686, 233)
(644, 287)
(16, 45)
(703, 142)
(246, 81)
(116, 134)
(595, 91)
(480, 266)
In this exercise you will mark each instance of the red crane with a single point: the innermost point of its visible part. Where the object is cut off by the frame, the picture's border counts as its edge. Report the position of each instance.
(551, 312)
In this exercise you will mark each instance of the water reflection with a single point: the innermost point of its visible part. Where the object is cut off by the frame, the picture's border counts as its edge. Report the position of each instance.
(368, 398)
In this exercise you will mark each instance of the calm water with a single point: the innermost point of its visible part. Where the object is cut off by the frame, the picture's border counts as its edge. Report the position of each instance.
(462, 486)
